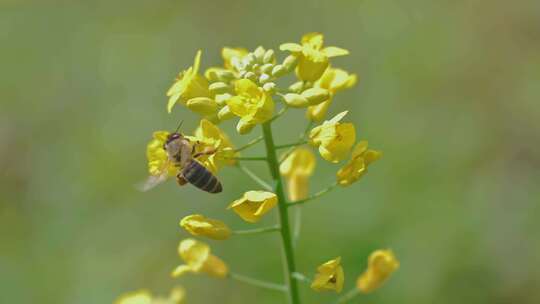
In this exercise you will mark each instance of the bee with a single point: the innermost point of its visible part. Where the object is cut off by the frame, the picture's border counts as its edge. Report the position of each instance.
(181, 153)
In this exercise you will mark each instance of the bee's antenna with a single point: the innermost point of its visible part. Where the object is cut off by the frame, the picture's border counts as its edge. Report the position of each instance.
(179, 125)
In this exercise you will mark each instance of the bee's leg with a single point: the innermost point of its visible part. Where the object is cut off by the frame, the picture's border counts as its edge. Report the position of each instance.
(180, 179)
(194, 148)
(207, 151)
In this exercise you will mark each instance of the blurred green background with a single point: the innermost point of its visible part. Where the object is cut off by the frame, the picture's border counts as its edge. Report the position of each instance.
(449, 91)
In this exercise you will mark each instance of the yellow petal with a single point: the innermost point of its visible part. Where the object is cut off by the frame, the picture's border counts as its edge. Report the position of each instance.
(197, 62)
(246, 86)
(291, 47)
(215, 267)
(194, 253)
(199, 225)
(180, 271)
(333, 51)
(136, 297)
(314, 40)
(381, 264)
(253, 205)
(329, 277)
(229, 53)
(238, 106)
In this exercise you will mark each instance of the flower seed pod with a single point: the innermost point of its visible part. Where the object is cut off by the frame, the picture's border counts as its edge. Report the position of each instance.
(269, 56)
(219, 88)
(202, 105)
(296, 100)
(316, 95)
(297, 87)
(290, 62)
(279, 71)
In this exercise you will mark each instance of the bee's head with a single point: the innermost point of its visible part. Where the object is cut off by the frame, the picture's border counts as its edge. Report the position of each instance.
(172, 137)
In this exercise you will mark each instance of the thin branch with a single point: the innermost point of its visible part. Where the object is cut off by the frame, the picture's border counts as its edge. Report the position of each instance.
(298, 143)
(255, 178)
(297, 225)
(351, 294)
(249, 144)
(257, 230)
(314, 196)
(249, 158)
(257, 282)
(302, 136)
(301, 277)
(281, 112)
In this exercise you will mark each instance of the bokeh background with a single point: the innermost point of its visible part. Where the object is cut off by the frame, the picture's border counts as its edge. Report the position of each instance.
(449, 91)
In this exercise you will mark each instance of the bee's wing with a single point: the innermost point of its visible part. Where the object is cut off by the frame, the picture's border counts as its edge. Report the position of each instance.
(153, 180)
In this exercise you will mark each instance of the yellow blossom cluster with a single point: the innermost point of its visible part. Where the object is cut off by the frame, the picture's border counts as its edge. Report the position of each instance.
(247, 90)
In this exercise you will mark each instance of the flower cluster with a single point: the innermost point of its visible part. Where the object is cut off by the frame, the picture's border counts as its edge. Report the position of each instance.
(245, 90)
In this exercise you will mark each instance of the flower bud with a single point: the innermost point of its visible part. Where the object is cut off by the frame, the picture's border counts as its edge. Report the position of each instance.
(243, 127)
(297, 87)
(269, 56)
(296, 100)
(269, 87)
(264, 78)
(202, 105)
(290, 62)
(251, 76)
(248, 61)
(279, 70)
(218, 74)
(225, 113)
(219, 88)
(316, 95)
(259, 54)
(267, 68)
(221, 99)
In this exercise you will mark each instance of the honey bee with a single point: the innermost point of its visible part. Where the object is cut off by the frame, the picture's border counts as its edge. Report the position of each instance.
(181, 153)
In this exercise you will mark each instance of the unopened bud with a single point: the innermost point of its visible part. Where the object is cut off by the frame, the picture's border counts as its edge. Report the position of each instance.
(267, 68)
(290, 62)
(279, 70)
(296, 100)
(218, 74)
(221, 99)
(242, 127)
(219, 88)
(297, 87)
(269, 56)
(202, 105)
(259, 54)
(264, 78)
(269, 87)
(251, 76)
(316, 95)
(225, 113)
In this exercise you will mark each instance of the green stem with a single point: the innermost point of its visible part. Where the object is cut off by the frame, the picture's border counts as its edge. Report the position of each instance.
(249, 144)
(249, 158)
(351, 294)
(298, 143)
(314, 196)
(257, 230)
(255, 178)
(286, 239)
(301, 277)
(256, 282)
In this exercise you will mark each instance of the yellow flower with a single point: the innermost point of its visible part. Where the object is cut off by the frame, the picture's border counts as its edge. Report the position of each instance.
(253, 205)
(176, 296)
(189, 84)
(312, 57)
(158, 162)
(199, 225)
(333, 80)
(252, 104)
(297, 168)
(232, 54)
(329, 276)
(381, 264)
(357, 166)
(333, 138)
(210, 137)
(198, 259)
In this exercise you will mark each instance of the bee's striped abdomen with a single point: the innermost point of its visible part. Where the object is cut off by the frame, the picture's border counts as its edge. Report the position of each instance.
(197, 175)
